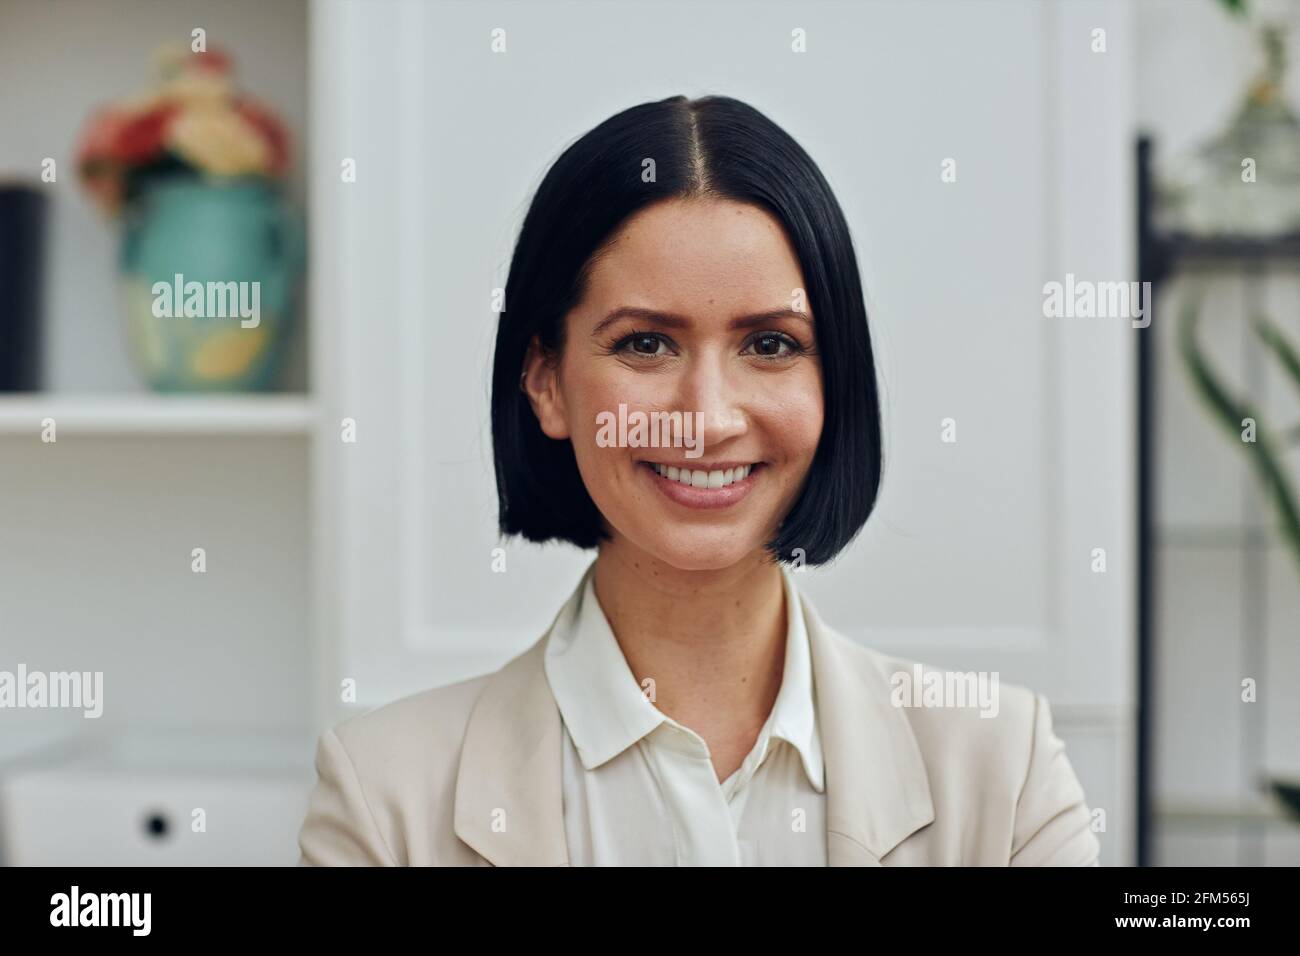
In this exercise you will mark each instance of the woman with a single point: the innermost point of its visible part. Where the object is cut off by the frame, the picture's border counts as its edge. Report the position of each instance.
(686, 264)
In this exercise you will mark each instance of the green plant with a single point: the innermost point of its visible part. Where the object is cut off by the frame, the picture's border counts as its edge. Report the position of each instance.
(1266, 451)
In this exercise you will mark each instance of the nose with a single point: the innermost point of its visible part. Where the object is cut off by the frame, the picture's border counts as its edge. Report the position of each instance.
(710, 387)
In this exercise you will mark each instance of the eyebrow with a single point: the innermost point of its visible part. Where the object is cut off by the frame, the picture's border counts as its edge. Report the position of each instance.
(670, 320)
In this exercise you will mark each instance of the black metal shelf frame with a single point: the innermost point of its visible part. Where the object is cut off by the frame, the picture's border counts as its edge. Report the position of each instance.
(1159, 257)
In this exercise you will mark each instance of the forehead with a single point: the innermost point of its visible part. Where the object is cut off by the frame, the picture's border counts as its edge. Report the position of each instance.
(685, 254)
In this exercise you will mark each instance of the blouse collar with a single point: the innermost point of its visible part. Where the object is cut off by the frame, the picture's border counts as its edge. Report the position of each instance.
(606, 711)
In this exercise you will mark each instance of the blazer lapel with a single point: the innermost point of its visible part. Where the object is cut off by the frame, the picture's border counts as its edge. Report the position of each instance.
(509, 798)
(509, 801)
(877, 789)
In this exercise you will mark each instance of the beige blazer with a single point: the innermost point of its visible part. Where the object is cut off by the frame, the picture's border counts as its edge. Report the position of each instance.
(469, 775)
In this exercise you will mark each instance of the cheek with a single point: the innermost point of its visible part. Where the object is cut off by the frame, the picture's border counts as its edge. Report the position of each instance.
(794, 421)
(591, 391)
(588, 393)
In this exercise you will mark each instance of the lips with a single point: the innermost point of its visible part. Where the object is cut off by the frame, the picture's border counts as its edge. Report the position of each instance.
(720, 487)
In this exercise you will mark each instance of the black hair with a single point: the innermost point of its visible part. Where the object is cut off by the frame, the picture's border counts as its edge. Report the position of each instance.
(709, 147)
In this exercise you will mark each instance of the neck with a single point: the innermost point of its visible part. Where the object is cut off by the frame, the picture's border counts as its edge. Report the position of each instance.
(713, 641)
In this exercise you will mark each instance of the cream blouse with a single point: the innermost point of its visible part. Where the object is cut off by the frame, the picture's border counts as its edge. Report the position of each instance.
(639, 788)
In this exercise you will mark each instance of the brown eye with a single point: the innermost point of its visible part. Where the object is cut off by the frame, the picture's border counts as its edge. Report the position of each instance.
(773, 345)
(644, 344)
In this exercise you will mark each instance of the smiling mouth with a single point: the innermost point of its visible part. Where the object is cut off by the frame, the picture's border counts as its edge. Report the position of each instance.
(703, 477)
(706, 488)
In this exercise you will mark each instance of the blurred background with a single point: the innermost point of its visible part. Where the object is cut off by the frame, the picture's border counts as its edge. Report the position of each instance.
(237, 529)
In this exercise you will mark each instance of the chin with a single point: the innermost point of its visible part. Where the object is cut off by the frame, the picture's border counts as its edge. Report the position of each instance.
(686, 551)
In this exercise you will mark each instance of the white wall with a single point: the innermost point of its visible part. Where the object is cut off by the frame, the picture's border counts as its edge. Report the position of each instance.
(95, 575)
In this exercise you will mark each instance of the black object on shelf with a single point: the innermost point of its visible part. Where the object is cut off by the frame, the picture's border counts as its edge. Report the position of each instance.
(1159, 257)
(22, 234)
(1289, 794)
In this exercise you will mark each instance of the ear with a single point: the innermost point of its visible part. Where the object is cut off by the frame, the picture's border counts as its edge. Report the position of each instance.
(541, 382)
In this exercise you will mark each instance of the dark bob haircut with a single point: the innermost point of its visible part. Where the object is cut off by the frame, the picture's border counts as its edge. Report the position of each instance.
(709, 147)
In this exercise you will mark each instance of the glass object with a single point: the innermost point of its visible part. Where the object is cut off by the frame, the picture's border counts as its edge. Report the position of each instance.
(1244, 182)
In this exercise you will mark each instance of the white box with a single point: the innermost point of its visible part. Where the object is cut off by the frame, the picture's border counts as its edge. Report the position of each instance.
(157, 799)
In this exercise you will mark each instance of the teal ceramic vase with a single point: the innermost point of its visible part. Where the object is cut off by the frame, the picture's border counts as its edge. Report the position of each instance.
(210, 269)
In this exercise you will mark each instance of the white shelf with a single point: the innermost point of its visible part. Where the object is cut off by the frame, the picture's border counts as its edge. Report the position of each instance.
(1267, 809)
(156, 414)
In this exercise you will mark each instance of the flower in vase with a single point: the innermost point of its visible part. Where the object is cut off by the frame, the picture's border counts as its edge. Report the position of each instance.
(218, 141)
(193, 119)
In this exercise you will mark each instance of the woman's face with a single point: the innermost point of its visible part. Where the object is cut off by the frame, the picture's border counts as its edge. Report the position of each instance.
(697, 307)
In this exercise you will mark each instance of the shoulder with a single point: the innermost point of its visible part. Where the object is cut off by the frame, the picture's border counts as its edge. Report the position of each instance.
(964, 715)
(952, 713)
(412, 745)
(949, 713)
(387, 781)
(977, 735)
(412, 728)
(1001, 784)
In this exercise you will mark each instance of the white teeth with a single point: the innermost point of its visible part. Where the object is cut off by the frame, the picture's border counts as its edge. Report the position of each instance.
(717, 478)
